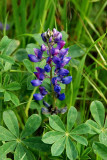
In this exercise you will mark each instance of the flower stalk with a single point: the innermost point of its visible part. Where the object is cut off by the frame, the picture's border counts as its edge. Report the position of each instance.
(55, 62)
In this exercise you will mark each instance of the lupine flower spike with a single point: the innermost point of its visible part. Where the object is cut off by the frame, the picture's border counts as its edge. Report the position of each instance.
(57, 57)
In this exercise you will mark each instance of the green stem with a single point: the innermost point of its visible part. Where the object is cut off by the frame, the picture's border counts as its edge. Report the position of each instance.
(29, 102)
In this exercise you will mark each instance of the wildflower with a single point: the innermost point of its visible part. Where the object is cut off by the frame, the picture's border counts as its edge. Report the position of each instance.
(57, 57)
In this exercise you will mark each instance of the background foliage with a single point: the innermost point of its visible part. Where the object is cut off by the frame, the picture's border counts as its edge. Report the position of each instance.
(83, 24)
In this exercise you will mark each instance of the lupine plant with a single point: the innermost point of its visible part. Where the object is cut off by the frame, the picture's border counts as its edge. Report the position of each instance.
(55, 61)
(36, 129)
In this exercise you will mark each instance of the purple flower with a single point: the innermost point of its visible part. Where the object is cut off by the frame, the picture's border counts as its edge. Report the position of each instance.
(54, 80)
(57, 88)
(58, 37)
(48, 60)
(33, 58)
(40, 70)
(56, 57)
(38, 96)
(66, 60)
(63, 52)
(67, 80)
(43, 48)
(38, 53)
(56, 60)
(63, 72)
(36, 82)
(60, 44)
(43, 35)
(54, 51)
(43, 91)
(61, 96)
(39, 75)
(47, 68)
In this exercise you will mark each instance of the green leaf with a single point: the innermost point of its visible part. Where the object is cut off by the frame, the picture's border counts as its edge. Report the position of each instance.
(58, 147)
(11, 122)
(71, 118)
(7, 58)
(100, 149)
(36, 144)
(32, 124)
(81, 129)
(11, 47)
(94, 127)
(7, 148)
(103, 137)
(98, 112)
(6, 135)
(28, 65)
(80, 139)
(21, 153)
(71, 149)
(7, 96)
(4, 42)
(75, 51)
(52, 136)
(56, 123)
(13, 86)
(14, 99)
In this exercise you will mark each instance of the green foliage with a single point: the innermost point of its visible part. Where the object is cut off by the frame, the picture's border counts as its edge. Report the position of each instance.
(83, 26)
(98, 127)
(62, 138)
(14, 140)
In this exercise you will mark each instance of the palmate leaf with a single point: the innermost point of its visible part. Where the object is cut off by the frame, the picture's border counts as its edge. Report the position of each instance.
(31, 125)
(6, 135)
(37, 144)
(100, 149)
(56, 123)
(52, 136)
(58, 147)
(21, 153)
(98, 112)
(71, 118)
(81, 129)
(11, 122)
(80, 139)
(71, 149)
(6, 148)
